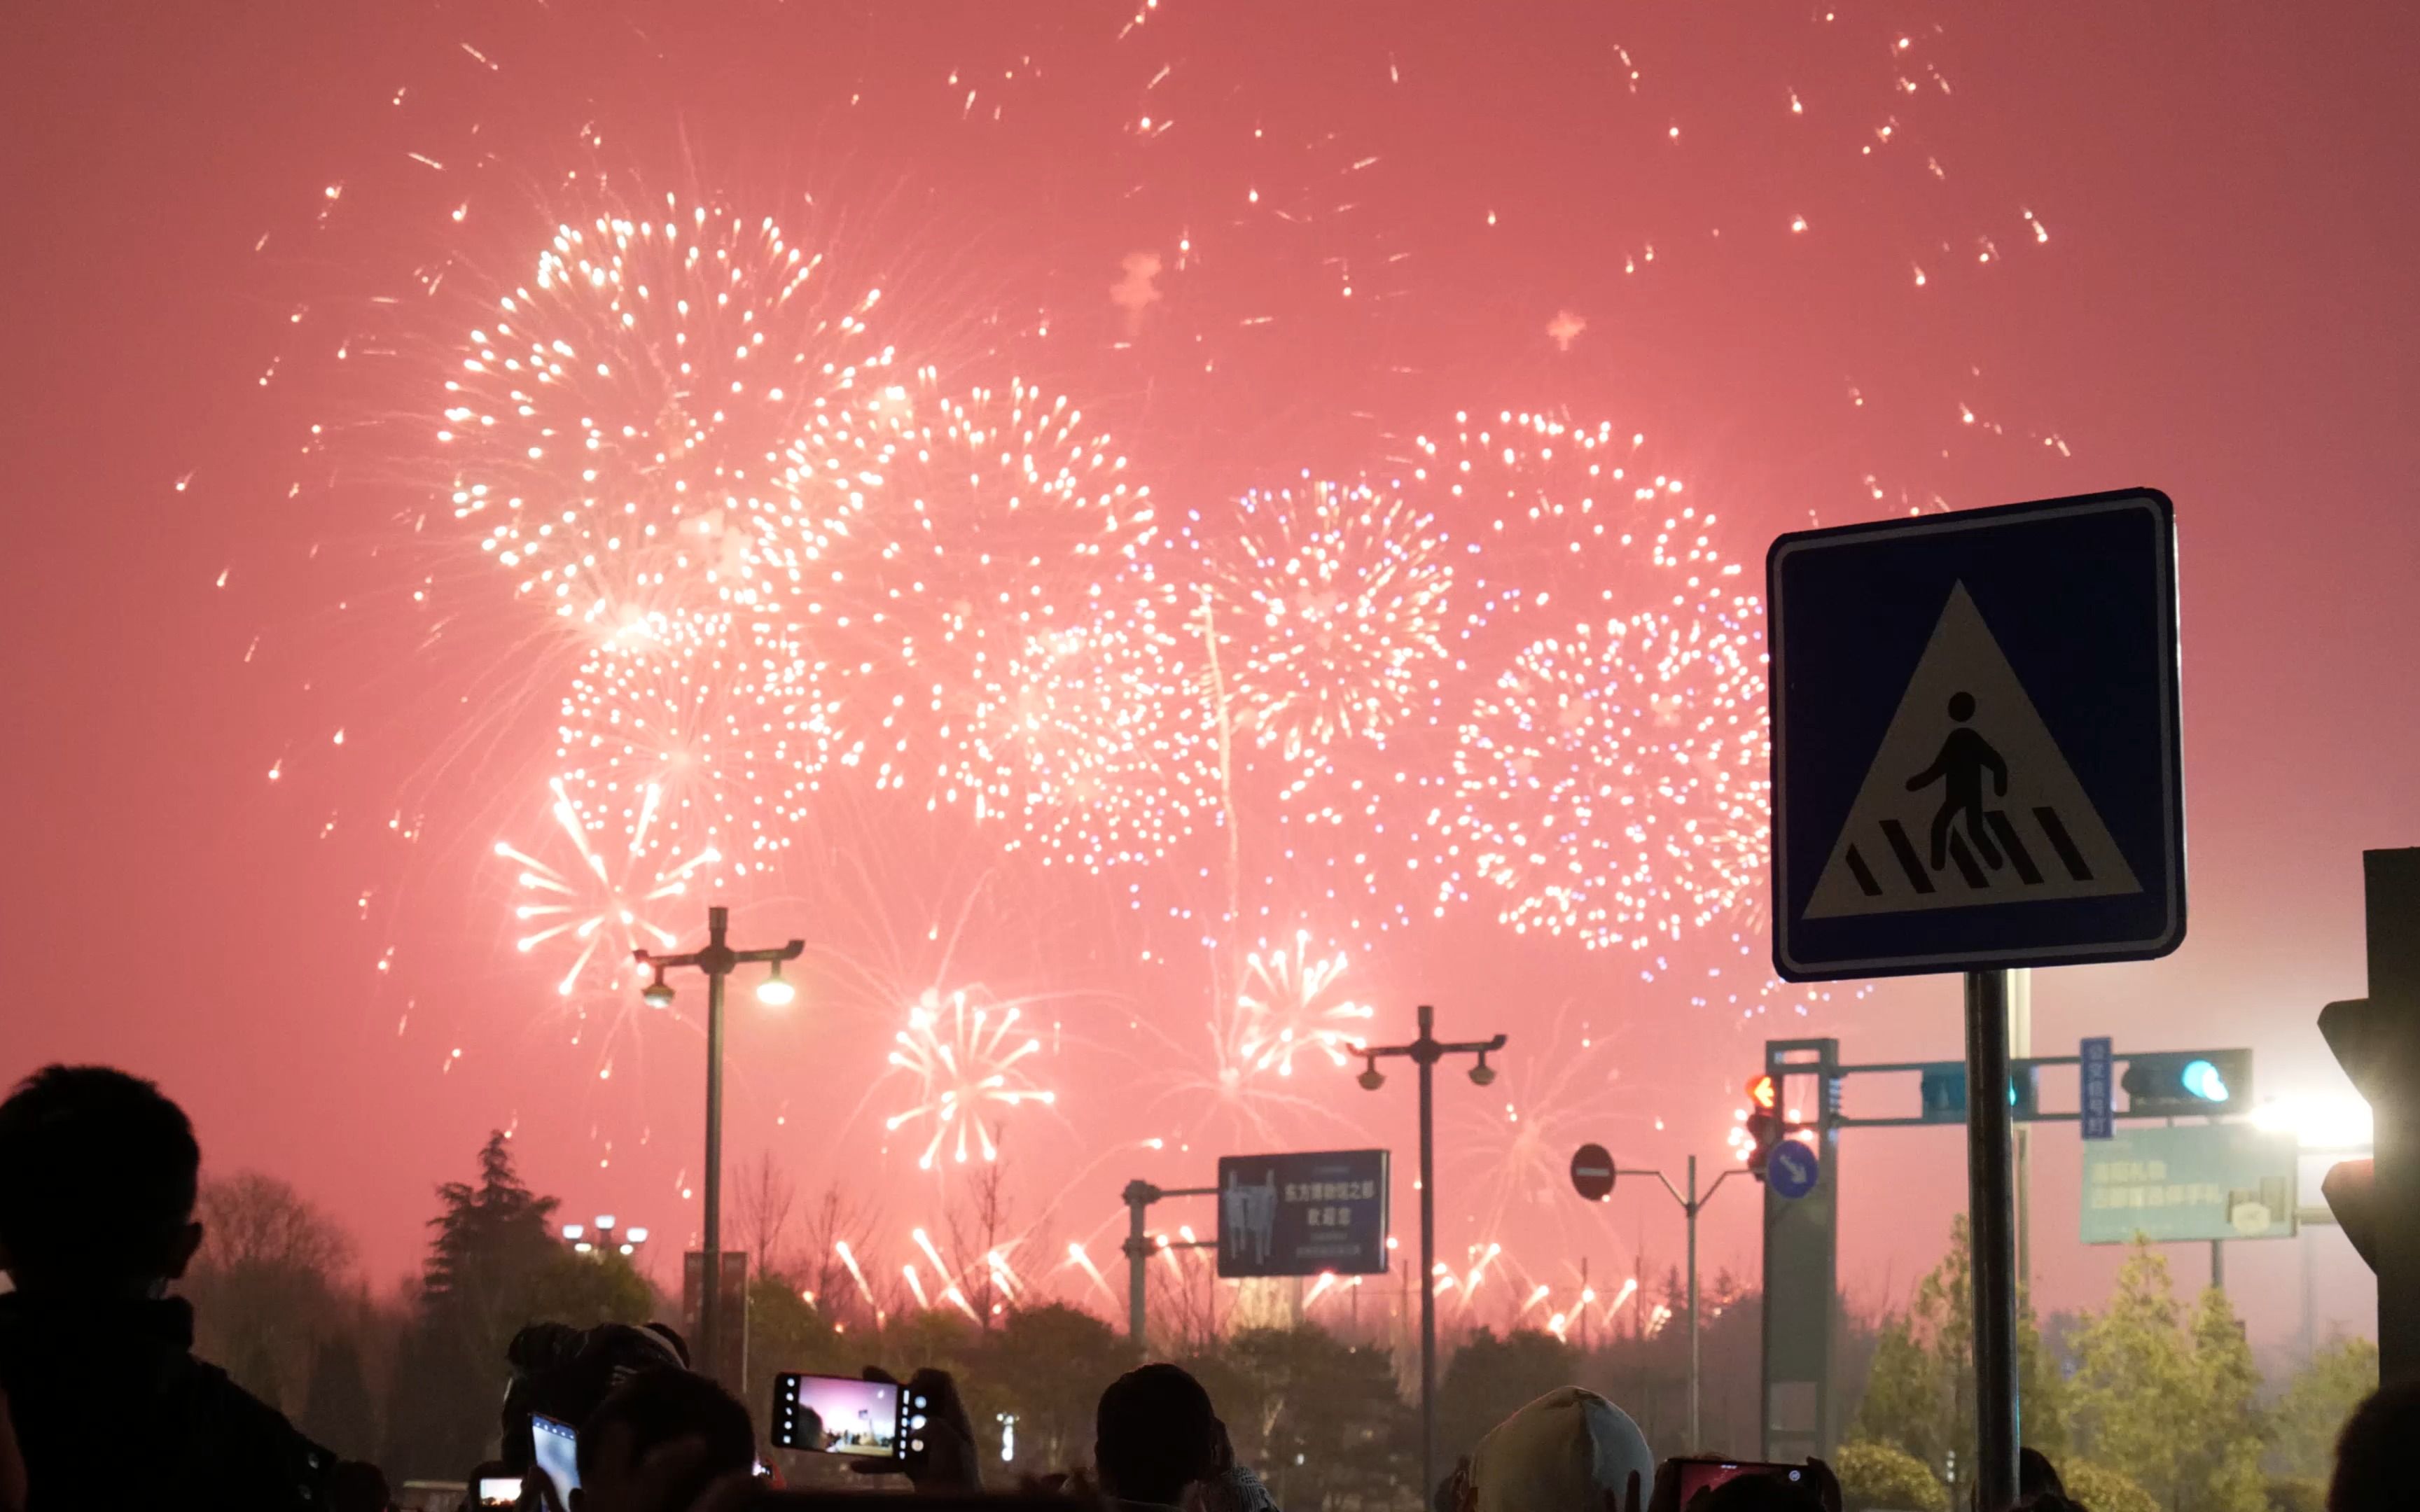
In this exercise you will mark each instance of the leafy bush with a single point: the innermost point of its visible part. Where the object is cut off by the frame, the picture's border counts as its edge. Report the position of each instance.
(1877, 1476)
(2297, 1493)
(2103, 1489)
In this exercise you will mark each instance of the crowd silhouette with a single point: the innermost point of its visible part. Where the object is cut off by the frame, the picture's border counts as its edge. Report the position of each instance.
(104, 1404)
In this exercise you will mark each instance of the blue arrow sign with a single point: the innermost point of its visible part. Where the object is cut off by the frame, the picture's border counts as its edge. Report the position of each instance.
(1975, 744)
(1792, 1169)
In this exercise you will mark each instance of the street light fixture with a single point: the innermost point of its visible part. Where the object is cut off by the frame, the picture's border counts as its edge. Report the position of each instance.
(775, 992)
(1425, 1052)
(718, 959)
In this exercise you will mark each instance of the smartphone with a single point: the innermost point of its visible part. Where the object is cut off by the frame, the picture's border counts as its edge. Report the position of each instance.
(843, 1415)
(558, 1454)
(1705, 1474)
(500, 1490)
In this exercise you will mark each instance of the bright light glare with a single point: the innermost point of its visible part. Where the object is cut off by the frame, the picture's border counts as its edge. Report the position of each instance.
(2340, 1120)
(775, 992)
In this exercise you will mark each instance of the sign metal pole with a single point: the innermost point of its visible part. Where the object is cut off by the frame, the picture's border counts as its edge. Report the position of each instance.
(1991, 1207)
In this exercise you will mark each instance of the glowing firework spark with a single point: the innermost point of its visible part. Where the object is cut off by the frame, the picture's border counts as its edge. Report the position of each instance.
(600, 908)
(616, 424)
(956, 533)
(1290, 1004)
(1088, 744)
(709, 728)
(966, 1054)
(1612, 780)
(1332, 609)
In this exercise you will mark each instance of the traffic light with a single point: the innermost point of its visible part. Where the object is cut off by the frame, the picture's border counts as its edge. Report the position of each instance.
(2371, 1043)
(1765, 1124)
(2377, 1041)
(2188, 1081)
(1941, 1091)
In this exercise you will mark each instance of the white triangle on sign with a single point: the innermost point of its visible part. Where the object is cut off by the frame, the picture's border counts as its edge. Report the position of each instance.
(1968, 800)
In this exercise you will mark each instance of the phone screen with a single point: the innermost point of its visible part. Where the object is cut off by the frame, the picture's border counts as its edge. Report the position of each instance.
(843, 1416)
(1705, 1474)
(558, 1454)
(499, 1490)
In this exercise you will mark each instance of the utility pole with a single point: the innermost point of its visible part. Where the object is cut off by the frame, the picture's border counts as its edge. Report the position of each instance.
(1138, 1195)
(718, 959)
(1425, 1052)
(1692, 1204)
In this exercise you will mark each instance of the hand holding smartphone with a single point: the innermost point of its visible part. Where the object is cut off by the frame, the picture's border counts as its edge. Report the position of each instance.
(1698, 1476)
(870, 1420)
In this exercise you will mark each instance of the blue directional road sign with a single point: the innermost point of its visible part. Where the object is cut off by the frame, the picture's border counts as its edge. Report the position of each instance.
(1303, 1214)
(2099, 1106)
(1792, 1169)
(1975, 746)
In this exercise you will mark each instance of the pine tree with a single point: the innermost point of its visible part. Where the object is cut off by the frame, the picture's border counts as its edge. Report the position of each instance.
(2317, 1403)
(1920, 1394)
(491, 1245)
(336, 1409)
(2169, 1399)
(2222, 1462)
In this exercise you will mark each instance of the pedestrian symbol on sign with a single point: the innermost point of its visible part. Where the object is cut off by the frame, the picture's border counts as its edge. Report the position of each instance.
(1968, 800)
(1958, 769)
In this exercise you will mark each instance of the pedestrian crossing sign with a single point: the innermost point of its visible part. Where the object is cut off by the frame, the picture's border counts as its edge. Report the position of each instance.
(1976, 740)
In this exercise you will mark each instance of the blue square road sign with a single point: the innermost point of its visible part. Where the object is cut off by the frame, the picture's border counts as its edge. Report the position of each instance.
(1977, 755)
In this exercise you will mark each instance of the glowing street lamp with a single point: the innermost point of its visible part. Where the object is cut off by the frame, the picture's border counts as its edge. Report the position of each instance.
(1425, 1052)
(718, 959)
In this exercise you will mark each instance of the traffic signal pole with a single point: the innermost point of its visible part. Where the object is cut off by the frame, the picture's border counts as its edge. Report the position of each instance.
(2377, 1041)
(1991, 1216)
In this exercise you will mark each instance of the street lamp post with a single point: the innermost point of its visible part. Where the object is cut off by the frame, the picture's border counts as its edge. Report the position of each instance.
(718, 959)
(1691, 1205)
(1425, 1052)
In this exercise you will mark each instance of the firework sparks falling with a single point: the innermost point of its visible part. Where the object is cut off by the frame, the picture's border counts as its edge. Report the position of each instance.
(1611, 781)
(709, 726)
(600, 908)
(963, 528)
(968, 1057)
(1334, 605)
(1290, 1004)
(616, 424)
(1087, 743)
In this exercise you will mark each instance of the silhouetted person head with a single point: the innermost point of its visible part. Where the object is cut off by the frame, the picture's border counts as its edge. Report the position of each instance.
(97, 1177)
(1155, 1435)
(1962, 706)
(2037, 1475)
(681, 1430)
(2374, 1452)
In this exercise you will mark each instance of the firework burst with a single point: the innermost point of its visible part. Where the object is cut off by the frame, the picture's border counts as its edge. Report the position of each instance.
(709, 725)
(616, 424)
(1088, 743)
(1291, 1003)
(1332, 608)
(968, 1055)
(1612, 780)
(600, 908)
(951, 532)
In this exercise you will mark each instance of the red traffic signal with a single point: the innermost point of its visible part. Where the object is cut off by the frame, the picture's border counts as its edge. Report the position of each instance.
(1764, 1132)
(1762, 1092)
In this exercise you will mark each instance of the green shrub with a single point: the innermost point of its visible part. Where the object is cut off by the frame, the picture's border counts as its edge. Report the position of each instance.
(2103, 1489)
(1875, 1476)
(2297, 1493)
